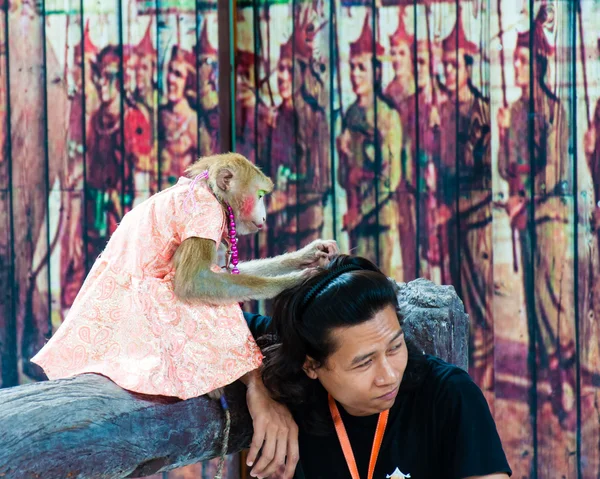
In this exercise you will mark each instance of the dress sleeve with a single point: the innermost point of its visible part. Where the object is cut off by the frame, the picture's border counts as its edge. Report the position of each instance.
(258, 324)
(470, 440)
(203, 218)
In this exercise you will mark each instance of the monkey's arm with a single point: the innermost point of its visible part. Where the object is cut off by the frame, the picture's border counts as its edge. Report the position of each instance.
(195, 280)
(317, 253)
(282, 264)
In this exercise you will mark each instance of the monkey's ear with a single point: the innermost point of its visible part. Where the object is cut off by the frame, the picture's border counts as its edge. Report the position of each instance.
(224, 177)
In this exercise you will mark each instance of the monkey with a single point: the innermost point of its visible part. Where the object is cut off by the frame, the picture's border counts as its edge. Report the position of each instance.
(156, 314)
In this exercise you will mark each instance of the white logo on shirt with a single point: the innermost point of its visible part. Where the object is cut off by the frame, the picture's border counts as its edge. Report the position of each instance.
(397, 474)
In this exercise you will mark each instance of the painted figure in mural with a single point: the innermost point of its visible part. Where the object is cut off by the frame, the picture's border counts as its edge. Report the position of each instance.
(252, 116)
(592, 151)
(401, 52)
(370, 152)
(208, 98)
(145, 73)
(177, 121)
(539, 161)
(282, 220)
(400, 90)
(72, 257)
(420, 134)
(301, 166)
(464, 181)
(110, 161)
(144, 96)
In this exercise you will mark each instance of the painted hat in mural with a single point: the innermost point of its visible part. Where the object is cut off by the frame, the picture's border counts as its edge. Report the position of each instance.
(457, 40)
(89, 49)
(541, 44)
(401, 35)
(204, 47)
(145, 46)
(365, 43)
(286, 49)
(245, 58)
(179, 54)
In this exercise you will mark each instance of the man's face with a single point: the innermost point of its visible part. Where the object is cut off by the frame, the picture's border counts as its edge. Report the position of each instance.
(455, 67)
(284, 78)
(107, 81)
(361, 74)
(521, 64)
(366, 369)
(176, 78)
(401, 59)
(423, 78)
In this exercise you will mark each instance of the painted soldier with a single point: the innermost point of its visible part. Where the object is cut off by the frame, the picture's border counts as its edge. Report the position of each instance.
(533, 156)
(282, 205)
(311, 100)
(143, 66)
(145, 72)
(592, 151)
(420, 122)
(252, 115)
(177, 120)
(370, 152)
(464, 182)
(208, 98)
(398, 91)
(72, 262)
(110, 160)
(401, 50)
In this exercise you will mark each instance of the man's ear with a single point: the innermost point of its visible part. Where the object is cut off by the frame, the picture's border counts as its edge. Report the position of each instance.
(310, 367)
(224, 177)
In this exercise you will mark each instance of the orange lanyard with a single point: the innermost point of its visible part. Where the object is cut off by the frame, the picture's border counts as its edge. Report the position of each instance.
(345, 442)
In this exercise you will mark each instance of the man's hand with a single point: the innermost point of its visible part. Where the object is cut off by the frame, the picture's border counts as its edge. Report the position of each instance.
(275, 432)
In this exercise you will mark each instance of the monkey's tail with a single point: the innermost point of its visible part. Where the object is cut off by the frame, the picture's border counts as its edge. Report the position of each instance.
(226, 431)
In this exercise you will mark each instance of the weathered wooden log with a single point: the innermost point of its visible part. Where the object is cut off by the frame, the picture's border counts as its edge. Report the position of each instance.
(87, 427)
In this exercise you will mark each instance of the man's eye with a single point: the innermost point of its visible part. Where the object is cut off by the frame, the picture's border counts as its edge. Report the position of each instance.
(365, 364)
(397, 347)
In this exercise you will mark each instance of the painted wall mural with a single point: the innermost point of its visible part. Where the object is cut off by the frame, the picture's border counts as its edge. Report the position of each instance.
(457, 140)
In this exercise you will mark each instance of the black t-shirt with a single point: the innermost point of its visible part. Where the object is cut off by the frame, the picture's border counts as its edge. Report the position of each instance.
(442, 428)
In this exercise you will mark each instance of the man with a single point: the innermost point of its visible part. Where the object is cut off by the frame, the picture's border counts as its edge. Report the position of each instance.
(464, 183)
(177, 121)
(370, 152)
(533, 156)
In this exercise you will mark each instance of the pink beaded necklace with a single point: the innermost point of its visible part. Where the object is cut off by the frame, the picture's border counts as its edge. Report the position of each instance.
(233, 241)
(233, 249)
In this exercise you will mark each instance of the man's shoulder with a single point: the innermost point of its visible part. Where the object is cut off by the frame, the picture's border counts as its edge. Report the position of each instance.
(444, 378)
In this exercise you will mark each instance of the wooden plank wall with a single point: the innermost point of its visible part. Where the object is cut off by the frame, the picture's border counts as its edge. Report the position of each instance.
(457, 140)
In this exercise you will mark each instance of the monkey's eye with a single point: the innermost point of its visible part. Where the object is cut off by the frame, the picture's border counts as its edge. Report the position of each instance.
(261, 193)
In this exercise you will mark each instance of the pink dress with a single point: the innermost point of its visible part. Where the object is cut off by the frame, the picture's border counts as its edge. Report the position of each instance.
(127, 324)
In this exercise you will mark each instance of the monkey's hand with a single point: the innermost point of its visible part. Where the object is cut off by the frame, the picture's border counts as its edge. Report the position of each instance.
(318, 253)
(275, 432)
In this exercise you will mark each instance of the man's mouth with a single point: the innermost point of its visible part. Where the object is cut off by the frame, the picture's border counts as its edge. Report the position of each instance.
(389, 395)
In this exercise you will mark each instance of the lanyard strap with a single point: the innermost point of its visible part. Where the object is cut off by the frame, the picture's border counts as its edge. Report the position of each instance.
(345, 441)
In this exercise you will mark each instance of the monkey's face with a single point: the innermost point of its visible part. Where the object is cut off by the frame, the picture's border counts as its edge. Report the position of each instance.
(244, 189)
(250, 210)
